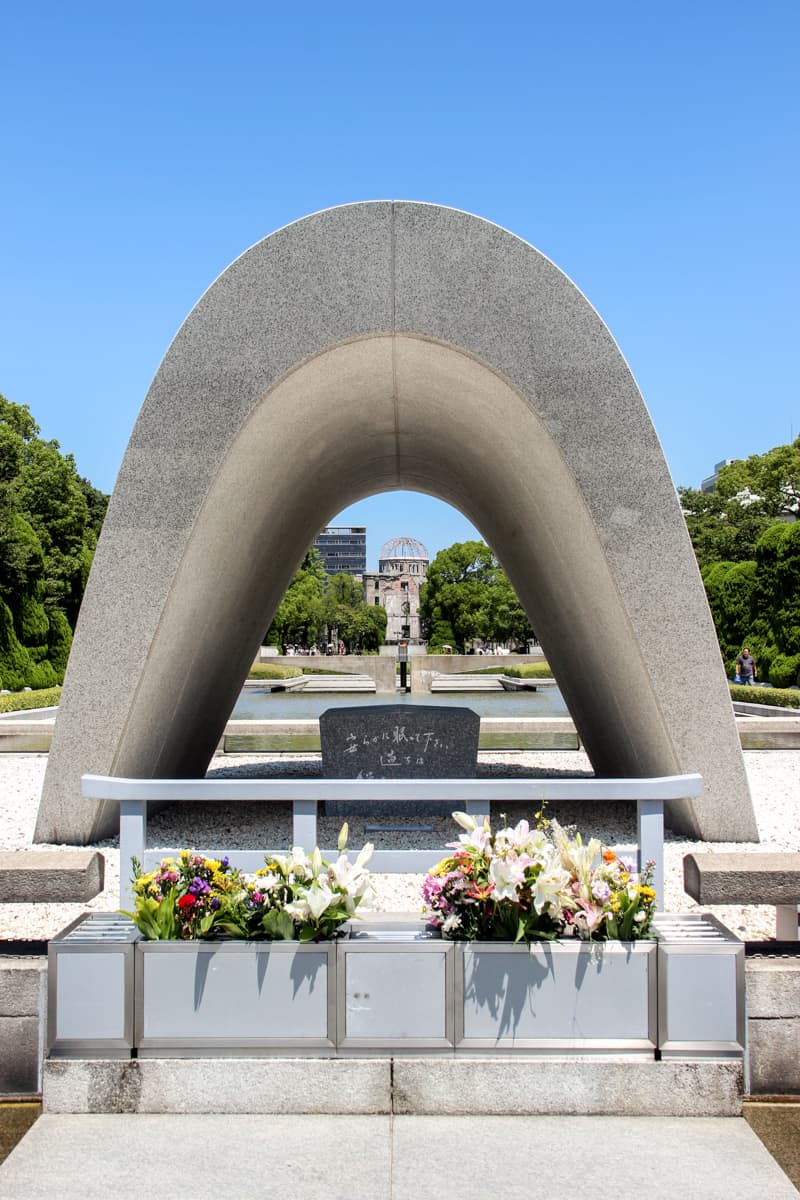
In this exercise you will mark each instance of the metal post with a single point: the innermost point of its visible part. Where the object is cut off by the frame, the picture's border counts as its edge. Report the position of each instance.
(304, 824)
(787, 922)
(651, 842)
(132, 839)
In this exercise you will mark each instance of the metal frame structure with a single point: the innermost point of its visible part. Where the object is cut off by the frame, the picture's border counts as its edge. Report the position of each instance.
(471, 795)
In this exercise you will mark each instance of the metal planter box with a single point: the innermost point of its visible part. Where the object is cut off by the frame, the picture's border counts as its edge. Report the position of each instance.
(90, 988)
(234, 997)
(556, 997)
(395, 990)
(701, 987)
(392, 987)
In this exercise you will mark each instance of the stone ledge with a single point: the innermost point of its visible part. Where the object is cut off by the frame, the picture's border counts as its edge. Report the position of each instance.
(774, 1046)
(434, 1084)
(773, 987)
(742, 877)
(19, 1055)
(50, 876)
(580, 1085)
(22, 983)
(218, 1085)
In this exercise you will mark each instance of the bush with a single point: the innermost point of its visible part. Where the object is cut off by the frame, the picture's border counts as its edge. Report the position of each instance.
(20, 701)
(271, 671)
(784, 671)
(538, 670)
(777, 697)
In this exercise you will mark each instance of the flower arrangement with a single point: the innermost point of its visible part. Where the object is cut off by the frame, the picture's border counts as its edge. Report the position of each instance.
(299, 896)
(535, 883)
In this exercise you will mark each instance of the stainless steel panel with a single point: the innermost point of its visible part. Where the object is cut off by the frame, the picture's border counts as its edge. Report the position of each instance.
(395, 992)
(90, 988)
(555, 995)
(234, 994)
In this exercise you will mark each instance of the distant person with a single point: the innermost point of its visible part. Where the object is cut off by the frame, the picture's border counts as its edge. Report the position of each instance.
(746, 669)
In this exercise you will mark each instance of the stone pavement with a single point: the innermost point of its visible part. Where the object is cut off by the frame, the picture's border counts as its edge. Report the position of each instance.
(391, 1158)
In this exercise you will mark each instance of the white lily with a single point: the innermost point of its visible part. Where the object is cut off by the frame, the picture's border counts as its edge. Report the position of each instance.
(364, 854)
(318, 898)
(465, 821)
(549, 888)
(507, 874)
(268, 883)
(298, 909)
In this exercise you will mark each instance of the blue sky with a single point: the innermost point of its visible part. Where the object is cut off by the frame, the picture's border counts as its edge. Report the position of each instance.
(650, 150)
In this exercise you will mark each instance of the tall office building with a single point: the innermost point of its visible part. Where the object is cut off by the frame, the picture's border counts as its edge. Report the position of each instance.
(343, 549)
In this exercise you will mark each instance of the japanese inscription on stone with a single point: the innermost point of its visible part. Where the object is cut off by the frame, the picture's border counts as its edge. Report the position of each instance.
(399, 741)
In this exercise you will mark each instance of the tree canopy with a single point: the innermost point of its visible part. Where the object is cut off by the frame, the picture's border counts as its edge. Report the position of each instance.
(317, 608)
(746, 536)
(467, 596)
(50, 519)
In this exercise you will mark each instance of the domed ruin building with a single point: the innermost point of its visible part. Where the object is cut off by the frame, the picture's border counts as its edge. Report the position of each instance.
(402, 568)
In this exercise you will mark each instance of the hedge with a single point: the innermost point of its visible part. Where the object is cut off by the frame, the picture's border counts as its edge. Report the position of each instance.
(777, 697)
(20, 701)
(271, 671)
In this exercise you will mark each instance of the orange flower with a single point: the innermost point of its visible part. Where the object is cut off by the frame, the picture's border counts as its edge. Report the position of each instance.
(609, 856)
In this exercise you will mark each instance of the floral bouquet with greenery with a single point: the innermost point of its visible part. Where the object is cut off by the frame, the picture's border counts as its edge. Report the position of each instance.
(300, 896)
(536, 883)
(183, 897)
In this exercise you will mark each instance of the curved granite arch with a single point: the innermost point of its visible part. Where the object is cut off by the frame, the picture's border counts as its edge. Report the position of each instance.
(363, 349)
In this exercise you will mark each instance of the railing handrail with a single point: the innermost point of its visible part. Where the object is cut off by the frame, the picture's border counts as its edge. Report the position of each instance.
(663, 787)
(133, 796)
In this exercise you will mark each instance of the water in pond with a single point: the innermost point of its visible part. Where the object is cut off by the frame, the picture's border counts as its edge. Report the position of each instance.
(261, 705)
(257, 705)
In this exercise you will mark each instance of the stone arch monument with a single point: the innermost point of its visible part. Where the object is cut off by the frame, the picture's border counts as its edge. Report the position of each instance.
(367, 348)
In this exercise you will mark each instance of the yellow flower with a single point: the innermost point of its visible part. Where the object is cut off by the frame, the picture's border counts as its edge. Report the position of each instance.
(441, 868)
(212, 864)
(647, 893)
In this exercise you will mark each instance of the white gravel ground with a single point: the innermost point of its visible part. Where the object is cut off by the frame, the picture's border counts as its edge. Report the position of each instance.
(774, 781)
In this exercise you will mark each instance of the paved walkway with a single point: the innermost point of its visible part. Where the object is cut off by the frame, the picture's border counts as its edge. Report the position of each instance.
(391, 1158)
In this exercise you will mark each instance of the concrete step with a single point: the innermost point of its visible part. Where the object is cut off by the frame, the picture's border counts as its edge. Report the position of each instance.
(50, 876)
(466, 683)
(498, 1085)
(339, 683)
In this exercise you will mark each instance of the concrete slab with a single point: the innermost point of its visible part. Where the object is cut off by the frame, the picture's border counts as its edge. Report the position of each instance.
(573, 1084)
(218, 1085)
(50, 876)
(739, 877)
(432, 1085)
(377, 1157)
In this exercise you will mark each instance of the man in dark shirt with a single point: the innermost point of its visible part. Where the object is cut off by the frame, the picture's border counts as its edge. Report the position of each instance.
(746, 666)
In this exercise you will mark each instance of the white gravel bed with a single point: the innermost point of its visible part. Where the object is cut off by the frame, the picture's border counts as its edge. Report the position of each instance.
(774, 777)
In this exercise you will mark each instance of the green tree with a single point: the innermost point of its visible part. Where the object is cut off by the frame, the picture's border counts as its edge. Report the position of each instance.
(349, 618)
(49, 522)
(467, 596)
(749, 495)
(722, 529)
(300, 617)
(774, 478)
(730, 588)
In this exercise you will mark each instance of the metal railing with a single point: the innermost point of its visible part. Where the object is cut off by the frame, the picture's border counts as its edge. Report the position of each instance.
(469, 795)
